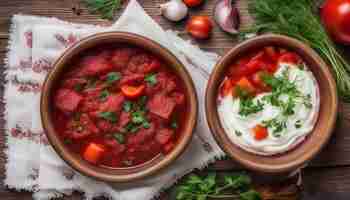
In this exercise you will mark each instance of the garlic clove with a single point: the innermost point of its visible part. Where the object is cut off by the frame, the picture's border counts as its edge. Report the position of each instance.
(227, 16)
(174, 10)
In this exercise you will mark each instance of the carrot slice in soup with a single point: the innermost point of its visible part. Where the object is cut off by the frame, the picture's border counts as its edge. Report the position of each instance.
(132, 91)
(93, 153)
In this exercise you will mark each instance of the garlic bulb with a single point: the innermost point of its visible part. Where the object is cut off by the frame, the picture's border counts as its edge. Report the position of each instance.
(174, 10)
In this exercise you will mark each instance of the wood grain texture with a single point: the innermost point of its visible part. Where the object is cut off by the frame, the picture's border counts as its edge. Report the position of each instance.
(328, 176)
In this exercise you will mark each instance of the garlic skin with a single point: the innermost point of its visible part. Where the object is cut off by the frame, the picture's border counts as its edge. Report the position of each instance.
(227, 16)
(174, 10)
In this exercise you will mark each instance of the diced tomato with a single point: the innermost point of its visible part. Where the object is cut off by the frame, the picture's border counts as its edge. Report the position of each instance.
(290, 57)
(253, 66)
(226, 87)
(271, 52)
(258, 56)
(168, 147)
(161, 105)
(260, 132)
(246, 85)
(132, 91)
(93, 153)
(164, 135)
(67, 100)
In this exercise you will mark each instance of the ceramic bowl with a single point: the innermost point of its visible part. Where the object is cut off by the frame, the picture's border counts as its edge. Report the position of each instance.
(120, 174)
(315, 141)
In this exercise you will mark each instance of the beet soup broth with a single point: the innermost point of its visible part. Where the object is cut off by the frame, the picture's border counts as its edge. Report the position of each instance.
(119, 106)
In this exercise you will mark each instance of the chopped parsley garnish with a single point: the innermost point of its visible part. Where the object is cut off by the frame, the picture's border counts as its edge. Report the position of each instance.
(247, 106)
(79, 87)
(298, 124)
(119, 137)
(104, 95)
(91, 82)
(277, 125)
(238, 133)
(109, 116)
(112, 77)
(173, 125)
(68, 141)
(282, 87)
(151, 79)
(127, 106)
(146, 125)
(138, 117)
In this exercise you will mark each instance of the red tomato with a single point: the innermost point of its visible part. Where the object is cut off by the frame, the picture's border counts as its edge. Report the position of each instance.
(193, 3)
(226, 87)
(260, 132)
(271, 52)
(199, 27)
(245, 85)
(289, 57)
(335, 15)
(132, 91)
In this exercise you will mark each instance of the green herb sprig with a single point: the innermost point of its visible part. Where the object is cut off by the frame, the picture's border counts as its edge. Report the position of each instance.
(235, 187)
(296, 18)
(105, 8)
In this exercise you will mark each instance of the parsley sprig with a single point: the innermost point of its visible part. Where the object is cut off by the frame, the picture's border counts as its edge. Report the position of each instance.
(236, 187)
(105, 8)
(247, 105)
(282, 86)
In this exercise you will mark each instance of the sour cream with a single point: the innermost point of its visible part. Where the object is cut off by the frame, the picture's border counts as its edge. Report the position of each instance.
(239, 128)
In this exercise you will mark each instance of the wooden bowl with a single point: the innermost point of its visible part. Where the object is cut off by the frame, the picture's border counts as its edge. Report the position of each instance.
(120, 174)
(315, 141)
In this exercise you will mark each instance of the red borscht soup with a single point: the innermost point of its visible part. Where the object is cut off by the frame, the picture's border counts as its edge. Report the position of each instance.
(119, 106)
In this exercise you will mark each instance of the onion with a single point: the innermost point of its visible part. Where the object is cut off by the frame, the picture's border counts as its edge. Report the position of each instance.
(227, 16)
(174, 10)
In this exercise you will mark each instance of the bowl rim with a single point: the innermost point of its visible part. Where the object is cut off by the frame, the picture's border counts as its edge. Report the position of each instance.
(138, 41)
(219, 133)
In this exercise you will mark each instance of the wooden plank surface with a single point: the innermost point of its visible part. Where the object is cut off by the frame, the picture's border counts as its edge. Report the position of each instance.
(328, 176)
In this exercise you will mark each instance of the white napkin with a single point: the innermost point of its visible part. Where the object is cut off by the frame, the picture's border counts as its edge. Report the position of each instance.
(32, 164)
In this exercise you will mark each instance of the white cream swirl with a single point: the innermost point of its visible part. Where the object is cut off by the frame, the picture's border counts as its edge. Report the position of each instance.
(291, 136)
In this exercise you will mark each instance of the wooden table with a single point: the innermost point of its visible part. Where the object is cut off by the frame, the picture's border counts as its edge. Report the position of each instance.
(327, 176)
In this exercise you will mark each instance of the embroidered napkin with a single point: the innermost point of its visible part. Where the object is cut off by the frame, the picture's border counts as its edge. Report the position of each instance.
(32, 164)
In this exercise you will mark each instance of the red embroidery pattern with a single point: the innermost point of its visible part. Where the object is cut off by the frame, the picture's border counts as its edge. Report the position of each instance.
(28, 35)
(42, 65)
(25, 64)
(26, 86)
(66, 42)
(19, 133)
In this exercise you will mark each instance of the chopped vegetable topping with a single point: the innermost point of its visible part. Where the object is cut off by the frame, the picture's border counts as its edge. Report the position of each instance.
(112, 77)
(110, 116)
(151, 79)
(119, 137)
(104, 94)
